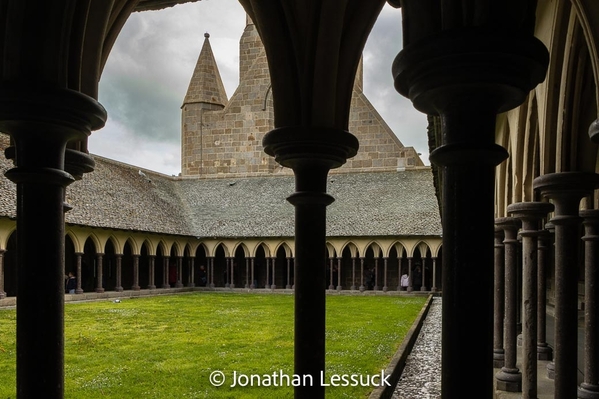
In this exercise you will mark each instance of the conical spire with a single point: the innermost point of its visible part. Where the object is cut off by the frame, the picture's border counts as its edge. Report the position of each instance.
(206, 85)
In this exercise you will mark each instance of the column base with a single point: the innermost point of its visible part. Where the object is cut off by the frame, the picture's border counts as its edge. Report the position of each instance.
(509, 380)
(288, 286)
(231, 285)
(136, 288)
(151, 287)
(179, 285)
(353, 288)
(588, 391)
(423, 288)
(376, 288)
(166, 286)
(77, 291)
(544, 352)
(118, 289)
(498, 358)
(191, 285)
(252, 286)
(385, 289)
(331, 287)
(2, 294)
(339, 288)
(410, 289)
(99, 290)
(551, 371)
(361, 288)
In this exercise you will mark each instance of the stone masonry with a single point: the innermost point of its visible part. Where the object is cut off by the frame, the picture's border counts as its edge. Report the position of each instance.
(223, 138)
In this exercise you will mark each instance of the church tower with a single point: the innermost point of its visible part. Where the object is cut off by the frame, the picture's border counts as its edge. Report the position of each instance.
(205, 93)
(223, 139)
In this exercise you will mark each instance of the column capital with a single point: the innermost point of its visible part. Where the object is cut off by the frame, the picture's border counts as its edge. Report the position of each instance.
(566, 189)
(530, 213)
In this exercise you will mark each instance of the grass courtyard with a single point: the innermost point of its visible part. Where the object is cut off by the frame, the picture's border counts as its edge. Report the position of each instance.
(168, 346)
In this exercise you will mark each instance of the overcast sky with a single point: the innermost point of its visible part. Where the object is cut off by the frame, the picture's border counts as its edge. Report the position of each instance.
(148, 71)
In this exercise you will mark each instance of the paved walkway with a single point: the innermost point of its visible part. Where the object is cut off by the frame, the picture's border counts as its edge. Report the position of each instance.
(421, 377)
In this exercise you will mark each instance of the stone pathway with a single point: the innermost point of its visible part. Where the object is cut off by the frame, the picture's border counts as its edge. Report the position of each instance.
(421, 377)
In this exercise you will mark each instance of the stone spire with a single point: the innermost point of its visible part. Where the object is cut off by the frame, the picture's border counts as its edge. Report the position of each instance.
(206, 85)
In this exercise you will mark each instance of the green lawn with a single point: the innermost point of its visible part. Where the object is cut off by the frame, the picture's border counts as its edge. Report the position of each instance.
(167, 346)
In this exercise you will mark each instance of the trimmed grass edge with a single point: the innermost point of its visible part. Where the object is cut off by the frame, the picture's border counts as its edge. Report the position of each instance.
(398, 361)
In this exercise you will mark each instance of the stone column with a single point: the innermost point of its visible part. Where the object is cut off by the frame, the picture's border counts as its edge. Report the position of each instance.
(2, 292)
(267, 284)
(253, 284)
(353, 273)
(274, 265)
(227, 273)
(509, 377)
(339, 287)
(99, 277)
(498, 300)
(211, 261)
(530, 214)
(376, 274)
(135, 286)
(165, 272)
(151, 267)
(544, 351)
(119, 285)
(434, 287)
(191, 279)
(232, 285)
(467, 73)
(179, 282)
(423, 287)
(78, 290)
(361, 274)
(311, 152)
(247, 272)
(566, 189)
(288, 286)
(589, 388)
(385, 261)
(331, 283)
(410, 287)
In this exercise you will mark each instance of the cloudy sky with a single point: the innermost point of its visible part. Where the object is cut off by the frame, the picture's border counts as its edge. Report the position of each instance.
(148, 71)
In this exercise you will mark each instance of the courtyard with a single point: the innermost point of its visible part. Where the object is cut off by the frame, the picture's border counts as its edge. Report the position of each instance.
(215, 345)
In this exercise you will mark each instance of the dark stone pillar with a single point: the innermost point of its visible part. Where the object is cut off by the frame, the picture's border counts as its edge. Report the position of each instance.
(331, 282)
(78, 290)
(544, 351)
(385, 262)
(41, 119)
(361, 274)
(228, 272)
(410, 287)
(311, 152)
(232, 285)
(247, 272)
(253, 284)
(589, 389)
(376, 274)
(165, 272)
(274, 265)
(467, 73)
(191, 279)
(499, 300)
(434, 287)
(135, 286)
(151, 267)
(99, 271)
(423, 286)
(530, 214)
(353, 273)
(179, 283)
(339, 287)
(267, 284)
(509, 377)
(211, 270)
(566, 189)
(2, 292)
(288, 286)
(119, 285)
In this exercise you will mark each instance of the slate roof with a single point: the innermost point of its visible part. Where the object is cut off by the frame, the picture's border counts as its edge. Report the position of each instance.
(117, 196)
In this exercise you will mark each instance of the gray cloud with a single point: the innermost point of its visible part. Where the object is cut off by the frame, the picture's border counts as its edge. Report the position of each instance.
(148, 71)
